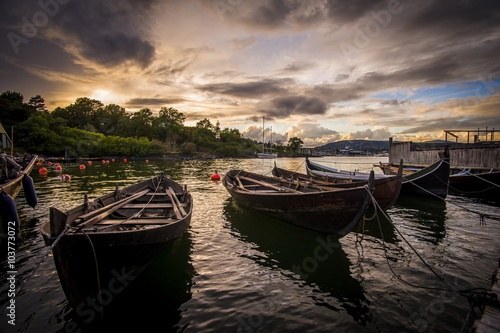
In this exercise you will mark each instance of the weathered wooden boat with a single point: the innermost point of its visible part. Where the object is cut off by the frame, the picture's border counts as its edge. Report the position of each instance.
(386, 190)
(432, 180)
(477, 183)
(429, 181)
(101, 245)
(14, 174)
(329, 211)
(316, 169)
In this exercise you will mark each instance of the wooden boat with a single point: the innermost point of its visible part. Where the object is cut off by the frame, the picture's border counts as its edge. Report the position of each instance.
(386, 190)
(14, 174)
(477, 183)
(330, 211)
(432, 180)
(429, 181)
(100, 246)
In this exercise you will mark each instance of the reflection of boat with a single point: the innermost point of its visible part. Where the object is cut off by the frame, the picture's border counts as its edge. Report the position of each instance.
(14, 173)
(386, 190)
(102, 245)
(334, 211)
(331, 280)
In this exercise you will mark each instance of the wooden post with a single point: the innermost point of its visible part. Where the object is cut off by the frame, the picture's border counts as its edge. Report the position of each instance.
(12, 141)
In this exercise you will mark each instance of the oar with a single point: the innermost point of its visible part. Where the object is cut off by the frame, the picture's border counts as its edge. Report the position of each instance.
(108, 212)
(174, 206)
(279, 188)
(183, 212)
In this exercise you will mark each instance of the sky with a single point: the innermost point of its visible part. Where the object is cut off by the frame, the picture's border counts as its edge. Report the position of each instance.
(320, 70)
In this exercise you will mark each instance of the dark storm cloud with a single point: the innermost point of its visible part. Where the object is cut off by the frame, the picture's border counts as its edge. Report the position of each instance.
(297, 67)
(283, 107)
(145, 102)
(251, 89)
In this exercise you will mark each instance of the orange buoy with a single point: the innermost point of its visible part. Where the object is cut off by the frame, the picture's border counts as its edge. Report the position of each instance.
(89, 162)
(82, 166)
(65, 178)
(112, 160)
(215, 176)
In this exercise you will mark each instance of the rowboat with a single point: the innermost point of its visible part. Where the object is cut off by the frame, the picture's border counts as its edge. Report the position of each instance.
(386, 190)
(429, 181)
(14, 174)
(477, 183)
(432, 180)
(316, 169)
(100, 246)
(329, 211)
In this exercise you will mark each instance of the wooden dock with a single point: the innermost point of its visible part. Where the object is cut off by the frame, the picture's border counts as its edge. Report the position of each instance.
(490, 321)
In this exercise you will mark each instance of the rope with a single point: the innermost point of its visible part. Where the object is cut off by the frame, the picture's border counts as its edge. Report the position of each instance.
(97, 272)
(463, 292)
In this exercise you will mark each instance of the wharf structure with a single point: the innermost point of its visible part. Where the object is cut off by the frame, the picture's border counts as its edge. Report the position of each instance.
(471, 155)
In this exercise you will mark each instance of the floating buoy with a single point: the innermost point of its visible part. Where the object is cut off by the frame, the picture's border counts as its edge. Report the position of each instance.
(29, 191)
(38, 164)
(89, 162)
(107, 161)
(215, 176)
(112, 160)
(82, 166)
(65, 178)
(124, 160)
(103, 161)
(147, 161)
(43, 170)
(56, 165)
(49, 163)
(8, 212)
(58, 168)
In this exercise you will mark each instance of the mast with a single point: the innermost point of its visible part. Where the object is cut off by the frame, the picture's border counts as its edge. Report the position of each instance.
(263, 131)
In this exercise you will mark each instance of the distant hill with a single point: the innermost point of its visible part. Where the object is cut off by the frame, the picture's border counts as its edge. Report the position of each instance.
(355, 144)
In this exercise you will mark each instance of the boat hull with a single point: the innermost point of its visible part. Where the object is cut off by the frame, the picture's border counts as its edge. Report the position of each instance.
(329, 212)
(93, 267)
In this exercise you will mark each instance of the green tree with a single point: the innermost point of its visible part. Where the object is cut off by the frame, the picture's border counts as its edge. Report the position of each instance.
(38, 103)
(294, 144)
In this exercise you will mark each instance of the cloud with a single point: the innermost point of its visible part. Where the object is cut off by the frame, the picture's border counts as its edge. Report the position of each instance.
(254, 132)
(242, 43)
(282, 107)
(368, 134)
(249, 89)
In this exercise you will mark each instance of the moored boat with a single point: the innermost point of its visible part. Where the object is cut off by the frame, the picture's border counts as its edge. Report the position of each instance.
(477, 183)
(330, 211)
(14, 175)
(386, 190)
(100, 246)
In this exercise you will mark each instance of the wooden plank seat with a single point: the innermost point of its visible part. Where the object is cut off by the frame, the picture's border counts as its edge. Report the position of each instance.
(136, 221)
(151, 206)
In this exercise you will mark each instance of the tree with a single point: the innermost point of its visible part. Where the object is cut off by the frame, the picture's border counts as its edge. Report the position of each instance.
(38, 103)
(294, 144)
(205, 123)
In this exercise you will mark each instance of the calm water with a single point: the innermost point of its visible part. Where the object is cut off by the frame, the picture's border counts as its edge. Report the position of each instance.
(235, 270)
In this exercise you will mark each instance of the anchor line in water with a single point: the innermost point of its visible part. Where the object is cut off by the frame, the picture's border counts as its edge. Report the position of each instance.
(469, 293)
(482, 216)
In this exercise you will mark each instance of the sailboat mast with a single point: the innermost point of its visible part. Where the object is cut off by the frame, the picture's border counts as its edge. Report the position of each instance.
(263, 130)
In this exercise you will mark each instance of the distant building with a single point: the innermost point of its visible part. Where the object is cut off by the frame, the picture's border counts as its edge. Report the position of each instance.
(4, 138)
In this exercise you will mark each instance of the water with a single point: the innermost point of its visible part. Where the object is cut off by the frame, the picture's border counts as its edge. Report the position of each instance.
(236, 270)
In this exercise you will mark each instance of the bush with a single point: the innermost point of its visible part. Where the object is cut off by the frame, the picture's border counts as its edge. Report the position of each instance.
(187, 148)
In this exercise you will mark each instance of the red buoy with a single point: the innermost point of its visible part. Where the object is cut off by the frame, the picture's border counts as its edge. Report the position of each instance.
(43, 170)
(49, 163)
(58, 168)
(147, 161)
(38, 164)
(90, 162)
(124, 160)
(56, 165)
(82, 166)
(112, 160)
(103, 161)
(215, 176)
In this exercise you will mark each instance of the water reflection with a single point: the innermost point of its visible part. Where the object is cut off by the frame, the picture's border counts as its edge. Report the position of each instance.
(315, 260)
(151, 301)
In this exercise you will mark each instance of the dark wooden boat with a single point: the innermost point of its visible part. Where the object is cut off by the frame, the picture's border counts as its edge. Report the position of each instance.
(316, 169)
(100, 246)
(477, 183)
(386, 190)
(432, 180)
(329, 211)
(14, 174)
(13, 170)
(429, 181)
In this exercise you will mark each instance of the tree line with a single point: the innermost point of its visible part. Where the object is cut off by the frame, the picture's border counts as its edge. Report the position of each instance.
(88, 128)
